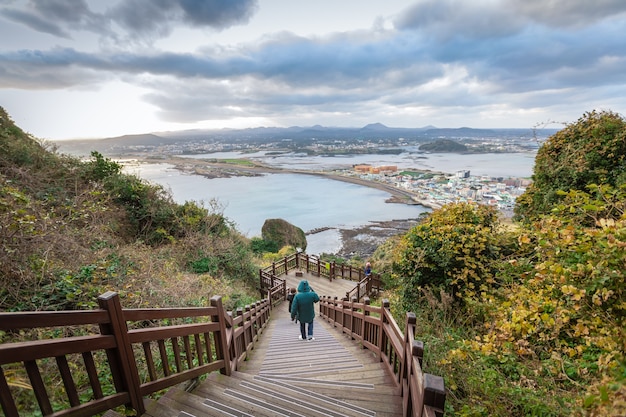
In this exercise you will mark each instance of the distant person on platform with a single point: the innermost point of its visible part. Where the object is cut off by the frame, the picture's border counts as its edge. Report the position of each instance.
(290, 296)
(368, 269)
(303, 307)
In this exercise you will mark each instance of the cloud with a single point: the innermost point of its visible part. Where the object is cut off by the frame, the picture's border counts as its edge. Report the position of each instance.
(448, 19)
(218, 14)
(130, 21)
(515, 56)
(567, 13)
(55, 17)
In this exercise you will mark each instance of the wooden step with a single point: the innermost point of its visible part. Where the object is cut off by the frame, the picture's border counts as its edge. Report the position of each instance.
(257, 390)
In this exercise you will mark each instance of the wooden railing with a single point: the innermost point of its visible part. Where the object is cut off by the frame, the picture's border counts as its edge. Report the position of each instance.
(126, 354)
(270, 276)
(375, 328)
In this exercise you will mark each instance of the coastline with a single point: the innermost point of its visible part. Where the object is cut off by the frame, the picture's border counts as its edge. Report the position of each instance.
(210, 169)
(361, 241)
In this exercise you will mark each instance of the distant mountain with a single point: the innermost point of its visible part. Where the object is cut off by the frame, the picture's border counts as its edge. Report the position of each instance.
(111, 145)
(303, 136)
(375, 126)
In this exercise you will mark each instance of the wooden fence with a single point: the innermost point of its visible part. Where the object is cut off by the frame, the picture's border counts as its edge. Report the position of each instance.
(374, 327)
(270, 276)
(143, 351)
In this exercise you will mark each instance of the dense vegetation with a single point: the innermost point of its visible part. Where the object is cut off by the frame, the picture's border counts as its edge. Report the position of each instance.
(528, 321)
(589, 152)
(71, 230)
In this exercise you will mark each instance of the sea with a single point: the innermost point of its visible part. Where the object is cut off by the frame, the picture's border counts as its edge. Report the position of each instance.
(312, 202)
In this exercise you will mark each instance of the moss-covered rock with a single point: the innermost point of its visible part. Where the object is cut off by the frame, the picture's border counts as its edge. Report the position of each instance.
(283, 233)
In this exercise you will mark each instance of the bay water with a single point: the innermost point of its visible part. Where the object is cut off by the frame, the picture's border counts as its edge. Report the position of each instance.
(311, 202)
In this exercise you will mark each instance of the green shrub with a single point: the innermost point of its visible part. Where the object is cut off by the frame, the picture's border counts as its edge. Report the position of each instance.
(454, 248)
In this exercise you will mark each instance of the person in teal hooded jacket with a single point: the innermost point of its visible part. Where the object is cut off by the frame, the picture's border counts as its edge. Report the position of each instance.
(303, 307)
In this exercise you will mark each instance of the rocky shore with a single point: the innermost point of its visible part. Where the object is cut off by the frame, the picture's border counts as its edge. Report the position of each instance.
(363, 241)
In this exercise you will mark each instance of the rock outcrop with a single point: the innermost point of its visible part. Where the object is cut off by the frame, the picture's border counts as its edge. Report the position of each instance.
(283, 233)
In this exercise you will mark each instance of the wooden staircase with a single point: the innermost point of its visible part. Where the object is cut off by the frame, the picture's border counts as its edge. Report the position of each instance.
(285, 376)
(251, 360)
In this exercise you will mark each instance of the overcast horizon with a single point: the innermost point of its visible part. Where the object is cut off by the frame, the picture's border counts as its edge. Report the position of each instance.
(75, 69)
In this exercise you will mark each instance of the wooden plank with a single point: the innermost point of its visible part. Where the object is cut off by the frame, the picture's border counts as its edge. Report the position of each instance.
(68, 381)
(50, 348)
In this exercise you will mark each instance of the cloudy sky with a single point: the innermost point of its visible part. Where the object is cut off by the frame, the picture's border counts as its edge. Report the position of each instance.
(101, 68)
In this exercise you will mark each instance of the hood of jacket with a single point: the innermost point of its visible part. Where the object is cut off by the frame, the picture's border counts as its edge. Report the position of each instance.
(304, 286)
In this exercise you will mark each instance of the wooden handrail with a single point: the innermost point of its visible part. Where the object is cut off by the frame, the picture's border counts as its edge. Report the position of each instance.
(193, 342)
(375, 328)
(270, 276)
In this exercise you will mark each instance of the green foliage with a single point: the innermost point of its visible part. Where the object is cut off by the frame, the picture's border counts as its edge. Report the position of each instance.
(260, 246)
(100, 167)
(598, 205)
(232, 261)
(204, 264)
(454, 248)
(590, 151)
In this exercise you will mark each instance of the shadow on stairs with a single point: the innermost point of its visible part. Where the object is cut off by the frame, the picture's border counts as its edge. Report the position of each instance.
(285, 376)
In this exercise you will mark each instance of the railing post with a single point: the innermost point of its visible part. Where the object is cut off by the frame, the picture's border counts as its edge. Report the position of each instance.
(352, 318)
(417, 349)
(239, 312)
(385, 305)
(286, 266)
(366, 302)
(434, 392)
(409, 332)
(221, 339)
(121, 359)
(344, 306)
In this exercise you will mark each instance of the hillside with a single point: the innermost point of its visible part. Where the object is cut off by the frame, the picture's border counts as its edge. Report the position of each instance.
(443, 145)
(529, 318)
(71, 230)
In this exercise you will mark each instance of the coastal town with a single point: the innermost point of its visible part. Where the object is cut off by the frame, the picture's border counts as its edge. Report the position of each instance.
(437, 189)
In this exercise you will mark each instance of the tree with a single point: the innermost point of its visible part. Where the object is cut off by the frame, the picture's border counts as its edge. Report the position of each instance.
(590, 151)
